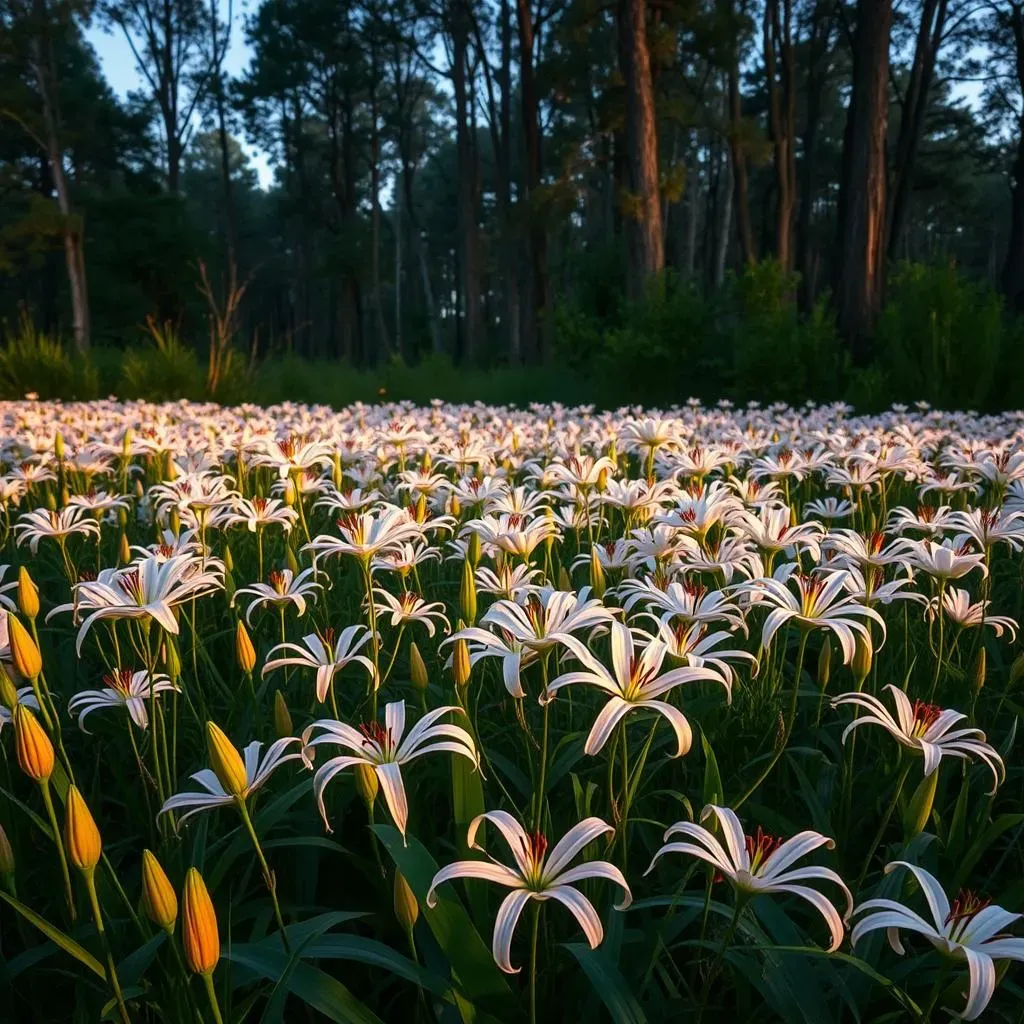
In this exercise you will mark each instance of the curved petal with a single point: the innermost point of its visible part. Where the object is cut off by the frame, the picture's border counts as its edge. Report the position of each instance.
(582, 909)
(389, 775)
(572, 843)
(505, 925)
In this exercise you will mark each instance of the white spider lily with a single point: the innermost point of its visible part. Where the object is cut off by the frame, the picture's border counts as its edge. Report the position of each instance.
(151, 588)
(124, 689)
(363, 534)
(258, 513)
(283, 587)
(971, 930)
(327, 653)
(633, 684)
(957, 607)
(772, 530)
(409, 607)
(820, 602)
(539, 874)
(943, 561)
(59, 525)
(385, 749)
(925, 729)
(257, 771)
(692, 644)
(759, 864)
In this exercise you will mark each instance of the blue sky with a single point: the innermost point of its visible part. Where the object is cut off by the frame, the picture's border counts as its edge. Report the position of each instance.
(118, 64)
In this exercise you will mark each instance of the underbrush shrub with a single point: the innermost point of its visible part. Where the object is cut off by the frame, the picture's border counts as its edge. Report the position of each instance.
(32, 362)
(166, 370)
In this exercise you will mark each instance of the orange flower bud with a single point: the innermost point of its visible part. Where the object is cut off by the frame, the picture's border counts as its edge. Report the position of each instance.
(244, 650)
(81, 837)
(33, 746)
(226, 762)
(199, 925)
(25, 655)
(8, 691)
(158, 897)
(28, 594)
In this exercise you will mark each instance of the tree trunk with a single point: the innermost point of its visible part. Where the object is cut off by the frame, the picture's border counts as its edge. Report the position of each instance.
(779, 71)
(861, 236)
(817, 73)
(915, 110)
(1013, 268)
(45, 71)
(383, 345)
(503, 165)
(534, 337)
(647, 256)
(738, 160)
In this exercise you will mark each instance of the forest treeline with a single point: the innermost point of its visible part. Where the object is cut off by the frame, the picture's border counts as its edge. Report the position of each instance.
(503, 182)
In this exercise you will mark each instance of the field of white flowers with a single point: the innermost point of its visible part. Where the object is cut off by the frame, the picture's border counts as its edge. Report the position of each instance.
(468, 713)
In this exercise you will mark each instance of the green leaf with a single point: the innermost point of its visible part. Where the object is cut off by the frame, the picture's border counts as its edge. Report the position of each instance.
(608, 983)
(314, 987)
(133, 966)
(472, 965)
(55, 935)
(712, 792)
(977, 849)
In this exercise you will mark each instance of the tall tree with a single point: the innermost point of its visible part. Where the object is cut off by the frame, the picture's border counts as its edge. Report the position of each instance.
(860, 262)
(780, 73)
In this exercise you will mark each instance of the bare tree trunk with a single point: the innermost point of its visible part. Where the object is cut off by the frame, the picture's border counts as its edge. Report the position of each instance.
(503, 160)
(45, 71)
(725, 227)
(1013, 267)
(217, 78)
(647, 241)
(779, 71)
(738, 159)
(861, 237)
(380, 328)
(915, 109)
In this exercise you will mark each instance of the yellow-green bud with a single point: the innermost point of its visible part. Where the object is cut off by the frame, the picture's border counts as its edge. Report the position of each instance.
(244, 650)
(825, 662)
(461, 667)
(282, 716)
(229, 559)
(407, 907)
(919, 810)
(979, 671)
(417, 667)
(291, 495)
(159, 900)
(124, 551)
(25, 656)
(455, 506)
(8, 691)
(597, 580)
(6, 854)
(226, 762)
(58, 446)
(122, 517)
(473, 549)
(28, 594)
(861, 663)
(81, 836)
(467, 593)
(51, 502)
(564, 583)
(367, 783)
(291, 561)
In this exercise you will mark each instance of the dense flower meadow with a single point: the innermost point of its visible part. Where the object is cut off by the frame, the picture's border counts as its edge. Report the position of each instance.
(466, 713)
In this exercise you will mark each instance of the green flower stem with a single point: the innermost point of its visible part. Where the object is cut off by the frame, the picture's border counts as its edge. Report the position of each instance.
(66, 874)
(268, 875)
(741, 902)
(115, 984)
(883, 826)
(534, 935)
(212, 996)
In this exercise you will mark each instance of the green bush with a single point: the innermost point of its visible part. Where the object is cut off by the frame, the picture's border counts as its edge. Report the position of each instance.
(165, 371)
(34, 363)
(941, 337)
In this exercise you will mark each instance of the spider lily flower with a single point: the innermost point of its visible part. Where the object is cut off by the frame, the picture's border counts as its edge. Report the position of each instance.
(760, 864)
(943, 561)
(283, 587)
(581, 472)
(25, 695)
(692, 644)
(151, 588)
(634, 683)
(95, 502)
(772, 530)
(258, 513)
(850, 549)
(257, 771)
(328, 653)
(683, 602)
(124, 688)
(364, 534)
(539, 874)
(58, 525)
(5, 589)
(932, 522)
(986, 527)
(925, 729)
(513, 532)
(870, 586)
(957, 607)
(409, 607)
(293, 455)
(508, 581)
(384, 750)
(830, 508)
(820, 602)
(971, 930)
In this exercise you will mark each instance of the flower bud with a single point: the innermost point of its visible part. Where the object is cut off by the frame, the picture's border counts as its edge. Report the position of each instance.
(226, 762)
(158, 897)
(564, 583)
(51, 501)
(473, 549)
(602, 480)
(467, 593)
(81, 837)
(291, 495)
(6, 855)
(367, 783)
(597, 580)
(420, 512)
(978, 671)
(199, 925)
(861, 663)
(25, 656)
(33, 746)
(919, 810)
(172, 658)
(417, 667)
(122, 517)
(174, 521)
(428, 462)
(1017, 669)
(229, 559)
(28, 594)
(291, 561)
(126, 442)
(455, 506)
(825, 662)
(124, 552)
(282, 717)
(407, 907)
(244, 650)
(58, 446)
(140, 491)
(8, 691)
(461, 667)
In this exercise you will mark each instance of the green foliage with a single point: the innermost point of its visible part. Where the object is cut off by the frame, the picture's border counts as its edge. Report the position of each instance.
(168, 370)
(32, 362)
(941, 337)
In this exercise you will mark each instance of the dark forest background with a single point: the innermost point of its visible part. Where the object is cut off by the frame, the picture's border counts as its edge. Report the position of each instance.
(641, 199)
